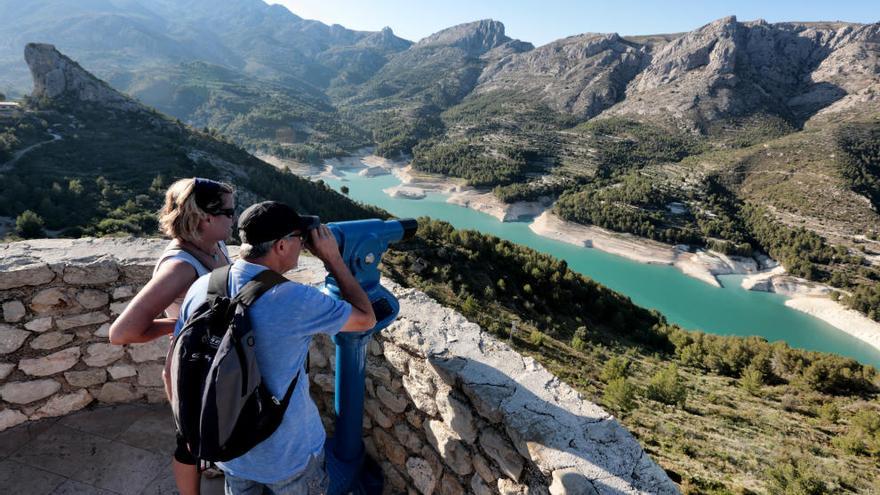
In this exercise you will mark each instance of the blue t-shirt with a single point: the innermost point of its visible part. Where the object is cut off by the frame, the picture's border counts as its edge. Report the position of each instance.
(283, 320)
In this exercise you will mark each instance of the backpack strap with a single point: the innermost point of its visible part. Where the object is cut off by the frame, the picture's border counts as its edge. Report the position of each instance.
(257, 286)
(218, 284)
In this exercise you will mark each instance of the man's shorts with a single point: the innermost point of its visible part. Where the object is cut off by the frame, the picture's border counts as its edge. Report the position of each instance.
(182, 454)
(312, 480)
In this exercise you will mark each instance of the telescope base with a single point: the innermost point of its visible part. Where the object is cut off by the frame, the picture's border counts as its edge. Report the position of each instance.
(362, 476)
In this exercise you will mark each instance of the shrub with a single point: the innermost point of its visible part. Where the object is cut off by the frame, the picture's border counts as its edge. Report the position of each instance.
(579, 340)
(616, 367)
(751, 381)
(29, 225)
(620, 394)
(536, 337)
(666, 387)
(829, 412)
(794, 476)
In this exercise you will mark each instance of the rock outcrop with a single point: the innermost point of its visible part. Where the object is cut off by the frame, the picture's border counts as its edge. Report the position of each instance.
(581, 75)
(57, 77)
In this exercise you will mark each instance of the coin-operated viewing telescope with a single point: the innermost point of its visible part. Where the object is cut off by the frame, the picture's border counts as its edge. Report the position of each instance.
(361, 243)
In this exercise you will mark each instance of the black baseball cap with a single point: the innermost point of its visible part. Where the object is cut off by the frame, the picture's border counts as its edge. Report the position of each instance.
(271, 220)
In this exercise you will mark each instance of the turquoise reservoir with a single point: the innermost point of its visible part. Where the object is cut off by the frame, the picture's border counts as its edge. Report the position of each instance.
(683, 300)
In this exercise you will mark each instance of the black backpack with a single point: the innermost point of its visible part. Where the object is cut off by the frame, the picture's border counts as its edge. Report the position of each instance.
(220, 404)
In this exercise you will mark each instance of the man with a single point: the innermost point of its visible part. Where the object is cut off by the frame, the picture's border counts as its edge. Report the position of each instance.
(291, 460)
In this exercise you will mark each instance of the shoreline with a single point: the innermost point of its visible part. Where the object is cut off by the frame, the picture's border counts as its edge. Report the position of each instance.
(764, 275)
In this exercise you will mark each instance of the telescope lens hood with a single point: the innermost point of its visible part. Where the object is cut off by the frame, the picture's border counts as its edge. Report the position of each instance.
(410, 226)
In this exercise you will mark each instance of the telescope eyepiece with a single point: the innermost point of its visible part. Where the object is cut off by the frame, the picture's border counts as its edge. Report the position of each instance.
(410, 226)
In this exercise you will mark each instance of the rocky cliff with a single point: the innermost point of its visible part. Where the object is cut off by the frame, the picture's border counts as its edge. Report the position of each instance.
(57, 77)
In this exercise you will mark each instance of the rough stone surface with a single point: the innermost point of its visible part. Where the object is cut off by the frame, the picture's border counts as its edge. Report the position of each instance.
(391, 401)
(450, 448)
(86, 378)
(12, 276)
(390, 447)
(479, 487)
(64, 404)
(51, 340)
(27, 392)
(13, 311)
(325, 381)
(82, 320)
(103, 331)
(372, 408)
(457, 415)
(39, 325)
(449, 485)
(92, 299)
(150, 351)
(10, 418)
(567, 481)
(51, 364)
(150, 375)
(123, 292)
(6, 370)
(118, 392)
(118, 307)
(100, 355)
(422, 475)
(54, 300)
(121, 371)
(11, 338)
(97, 273)
(481, 466)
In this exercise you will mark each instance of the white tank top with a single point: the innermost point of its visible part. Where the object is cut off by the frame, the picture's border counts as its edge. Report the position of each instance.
(174, 252)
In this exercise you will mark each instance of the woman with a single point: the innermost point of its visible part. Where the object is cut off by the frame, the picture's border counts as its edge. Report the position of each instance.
(198, 216)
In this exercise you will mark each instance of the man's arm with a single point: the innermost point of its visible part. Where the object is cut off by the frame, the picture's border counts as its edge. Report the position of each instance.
(323, 244)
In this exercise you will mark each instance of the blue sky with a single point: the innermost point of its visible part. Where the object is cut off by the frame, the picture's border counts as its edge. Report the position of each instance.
(542, 21)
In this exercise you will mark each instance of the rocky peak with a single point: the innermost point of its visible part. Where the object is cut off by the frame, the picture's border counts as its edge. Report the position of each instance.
(476, 38)
(385, 40)
(58, 77)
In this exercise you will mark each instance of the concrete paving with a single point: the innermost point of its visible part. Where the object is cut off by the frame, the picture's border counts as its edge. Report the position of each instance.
(123, 449)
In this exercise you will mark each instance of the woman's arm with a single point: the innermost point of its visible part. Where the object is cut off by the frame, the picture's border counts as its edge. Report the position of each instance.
(138, 322)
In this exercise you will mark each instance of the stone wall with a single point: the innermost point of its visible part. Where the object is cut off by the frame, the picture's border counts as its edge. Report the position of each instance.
(58, 298)
(449, 409)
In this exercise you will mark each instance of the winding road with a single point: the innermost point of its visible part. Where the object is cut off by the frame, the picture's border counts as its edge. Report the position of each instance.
(18, 154)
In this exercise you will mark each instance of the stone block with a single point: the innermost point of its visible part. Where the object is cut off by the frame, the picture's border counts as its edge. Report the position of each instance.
(88, 378)
(121, 371)
(118, 307)
(570, 481)
(375, 347)
(6, 370)
(393, 477)
(51, 340)
(97, 273)
(393, 402)
(389, 447)
(114, 392)
(150, 375)
(479, 487)
(407, 437)
(451, 450)
(53, 301)
(39, 325)
(155, 395)
(372, 408)
(64, 404)
(92, 299)
(507, 487)
(123, 292)
(27, 392)
(150, 351)
(11, 338)
(51, 364)
(13, 311)
(449, 485)
(457, 415)
(482, 467)
(502, 452)
(33, 274)
(10, 418)
(378, 372)
(324, 381)
(488, 398)
(422, 475)
(421, 392)
(397, 358)
(100, 355)
(81, 320)
(103, 331)
(136, 272)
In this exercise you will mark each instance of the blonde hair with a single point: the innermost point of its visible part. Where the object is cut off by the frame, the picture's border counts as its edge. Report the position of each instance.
(180, 215)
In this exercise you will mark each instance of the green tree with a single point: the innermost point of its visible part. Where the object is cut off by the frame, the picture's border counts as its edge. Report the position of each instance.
(344, 190)
(620, 394)
(794, 476)
(666, 386)
(29, 225)
(751, 380)
(616, 367)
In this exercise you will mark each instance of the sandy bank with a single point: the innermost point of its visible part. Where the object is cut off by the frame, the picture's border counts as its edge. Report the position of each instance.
(488, 203)
(846, 320)
(702, 265)
(405, 192)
